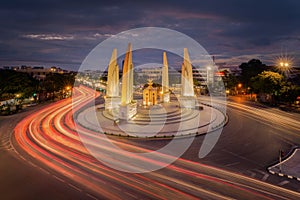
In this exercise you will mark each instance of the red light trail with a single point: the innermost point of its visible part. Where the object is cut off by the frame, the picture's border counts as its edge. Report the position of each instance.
(51, 138)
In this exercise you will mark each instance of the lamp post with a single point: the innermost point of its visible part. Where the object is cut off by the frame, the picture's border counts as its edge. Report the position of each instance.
(68, 91)
(208, 75)
(239, 86)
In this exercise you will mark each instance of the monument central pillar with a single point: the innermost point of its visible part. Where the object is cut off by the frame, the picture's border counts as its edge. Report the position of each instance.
(128, 107)
(112, 99)
(187, 98)
(165, 80)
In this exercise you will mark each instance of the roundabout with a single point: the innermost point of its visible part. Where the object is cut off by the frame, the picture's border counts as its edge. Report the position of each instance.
(153, 114)
(162, 121)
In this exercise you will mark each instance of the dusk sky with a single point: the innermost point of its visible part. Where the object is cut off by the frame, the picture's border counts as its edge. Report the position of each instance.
(62, 33)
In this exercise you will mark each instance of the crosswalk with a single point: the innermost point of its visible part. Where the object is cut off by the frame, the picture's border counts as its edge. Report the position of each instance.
(268, 178)
(5, 143)
(263, 175)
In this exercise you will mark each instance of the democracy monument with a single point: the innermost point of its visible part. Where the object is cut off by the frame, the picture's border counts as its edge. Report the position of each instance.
(156, 114)
(124, 106)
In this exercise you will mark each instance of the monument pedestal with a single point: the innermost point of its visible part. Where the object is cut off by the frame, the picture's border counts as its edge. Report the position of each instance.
(187, 102)
(166, 97)
(112, 103)
(112, 106)
(127, 111)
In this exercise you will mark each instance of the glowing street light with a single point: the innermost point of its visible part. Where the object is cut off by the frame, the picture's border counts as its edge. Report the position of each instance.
(284, 64)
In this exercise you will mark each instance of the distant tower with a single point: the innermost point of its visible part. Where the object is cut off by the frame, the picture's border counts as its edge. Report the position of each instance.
(112, 99)
(127, 106)
(165, 80)
(187, 98)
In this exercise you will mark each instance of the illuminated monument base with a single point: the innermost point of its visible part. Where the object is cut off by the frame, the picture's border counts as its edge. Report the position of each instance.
(159, 121)
(112, 103)
(187, 102)
(128, 111)
(166, 97)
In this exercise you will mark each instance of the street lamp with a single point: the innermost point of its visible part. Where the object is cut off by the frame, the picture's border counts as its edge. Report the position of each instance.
(284, 64)
(284, 67)
(67, 92)
(238, 88)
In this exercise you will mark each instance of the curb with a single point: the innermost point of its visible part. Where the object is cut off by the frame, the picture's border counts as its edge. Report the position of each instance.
(281, 174)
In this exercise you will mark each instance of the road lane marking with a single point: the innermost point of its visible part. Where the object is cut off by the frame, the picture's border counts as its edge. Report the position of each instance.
(131, 195)
(91, 196)
(231, 164)
(58, 178)
(44, 170)
(260, 171)
(102, 181)
(116, 188)
(266, 176)
(32, 164)
(283, 183)
(74, 187)
(22, 157)
(252, 174)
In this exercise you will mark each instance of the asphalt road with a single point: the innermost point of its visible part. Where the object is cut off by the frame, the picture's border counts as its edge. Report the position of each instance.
(249, 143)
(22, 179)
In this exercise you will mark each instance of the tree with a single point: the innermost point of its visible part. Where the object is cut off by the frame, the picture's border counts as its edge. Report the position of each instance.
(12, 83)
(268, 82)
(230, 81)
(289, 92)
(57, 82)
(251, 69)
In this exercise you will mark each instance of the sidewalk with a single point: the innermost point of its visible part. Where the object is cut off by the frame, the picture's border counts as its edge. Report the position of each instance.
(290, 167)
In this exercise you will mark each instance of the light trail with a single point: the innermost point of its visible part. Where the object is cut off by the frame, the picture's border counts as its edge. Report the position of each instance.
(51, 138)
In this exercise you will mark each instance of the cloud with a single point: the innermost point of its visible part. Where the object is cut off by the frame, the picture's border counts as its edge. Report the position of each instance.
(102, 35)
(49, 37)
(68, 29)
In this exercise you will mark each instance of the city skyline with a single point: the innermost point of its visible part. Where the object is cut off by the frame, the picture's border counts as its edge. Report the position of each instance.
(62, 33)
